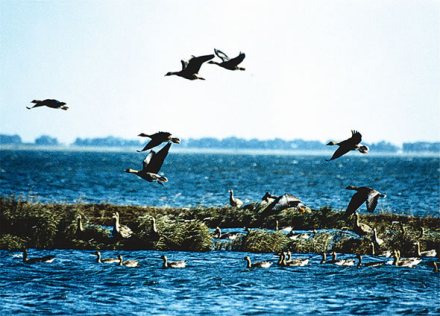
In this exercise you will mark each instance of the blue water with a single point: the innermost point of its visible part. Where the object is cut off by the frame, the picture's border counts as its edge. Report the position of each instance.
(412, 184)
(214, 283)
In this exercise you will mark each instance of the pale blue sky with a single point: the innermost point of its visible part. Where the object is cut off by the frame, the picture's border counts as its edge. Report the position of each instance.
(314, 69)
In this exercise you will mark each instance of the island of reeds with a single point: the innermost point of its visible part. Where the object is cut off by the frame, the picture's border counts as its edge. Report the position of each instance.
(92, 226)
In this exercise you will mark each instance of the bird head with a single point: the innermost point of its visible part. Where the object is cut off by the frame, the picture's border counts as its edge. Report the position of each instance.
(175, 140)
(169, 74)
(351, 187)
(363, 149)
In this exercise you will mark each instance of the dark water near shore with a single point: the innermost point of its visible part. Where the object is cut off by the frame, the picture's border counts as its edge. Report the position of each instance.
(412, 184)
(214, 283)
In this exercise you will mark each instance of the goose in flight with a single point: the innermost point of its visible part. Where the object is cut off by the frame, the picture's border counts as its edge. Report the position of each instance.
(151, 166)
(227, 63)
(363, 194)
(51, 103)
(352, 143)
(157, 139)
(190, 68)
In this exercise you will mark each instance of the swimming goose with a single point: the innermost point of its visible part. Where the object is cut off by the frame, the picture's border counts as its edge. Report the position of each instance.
(435, 264)
(121, 231)
(363, 194)
(341, 262)
(128, 263)
(45, 259)
(151, 166)
(227, 63)
(157, 139)
(361, 228)
(172, 264)
(233, 201)
(262, 264)
(99, 259)
(289, 262)
(406, 262)
(231, 235)
(369, 264)
(51, 103)
(426, 253)
(386, 253)
(378, 241)
(191, 68)
(352, 143)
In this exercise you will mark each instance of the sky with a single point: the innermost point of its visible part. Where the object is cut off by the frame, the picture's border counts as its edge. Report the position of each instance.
(314, 69)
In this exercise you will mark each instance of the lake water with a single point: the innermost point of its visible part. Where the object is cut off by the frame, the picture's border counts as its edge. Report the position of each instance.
(215, 283)
(411, 183)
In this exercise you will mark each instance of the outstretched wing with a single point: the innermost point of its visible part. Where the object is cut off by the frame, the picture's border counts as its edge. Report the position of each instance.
(372, 200)
(184, 64)
(195, 63)
(356, 201)
(236, 60)
(157, 159)
(342, 150)
(221, 55)
(148, 160)
(356, 137)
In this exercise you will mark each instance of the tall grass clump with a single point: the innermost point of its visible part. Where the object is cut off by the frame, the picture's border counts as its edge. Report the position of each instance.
(264, 241)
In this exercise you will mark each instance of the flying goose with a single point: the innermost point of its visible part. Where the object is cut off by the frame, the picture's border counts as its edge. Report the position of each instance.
(262, 264)
(227, 63)
(363, 194)
(99, 259)
(120, 231)
(157, 139)
(361, 228)
(151, 166)
(172, 264)
(191, 68)
(233, 201)
(51, 103)
(406, 262)
(128, 263)
(368, 264)
(352, 143)
(45, 259)
(426, 253)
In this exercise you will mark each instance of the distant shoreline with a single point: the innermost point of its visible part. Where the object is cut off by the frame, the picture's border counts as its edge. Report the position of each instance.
(194, 150)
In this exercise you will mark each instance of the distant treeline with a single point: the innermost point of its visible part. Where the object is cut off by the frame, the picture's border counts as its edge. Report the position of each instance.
(225, 143)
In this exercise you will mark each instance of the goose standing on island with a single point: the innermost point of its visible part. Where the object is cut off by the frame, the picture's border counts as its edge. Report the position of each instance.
(45, 259)
(352, 143)
(191, 68)
(151, 166)
(157, 139)
(128, 263)
(363, 194)
(172, 264)
(51, 103)
(227, 63)
(261, 264)
(120, 231)
(233, 201)
(361, 228)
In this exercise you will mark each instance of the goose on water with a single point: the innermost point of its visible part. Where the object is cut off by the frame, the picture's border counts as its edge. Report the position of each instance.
(172, 264)
(190, 69)
(338, 262)
(99, 259)
(228, 63)
(120, 231)
(151, 166)
(45, 259)
(261, 264)
(51, 103)
(352, 143)
(405, 262)
(157, 139)
(289, 262)
(362, 195)
(128, 263)
(368, 264)
(233, 201)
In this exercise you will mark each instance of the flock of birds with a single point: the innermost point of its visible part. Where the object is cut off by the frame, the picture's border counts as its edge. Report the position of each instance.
(153, 162)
